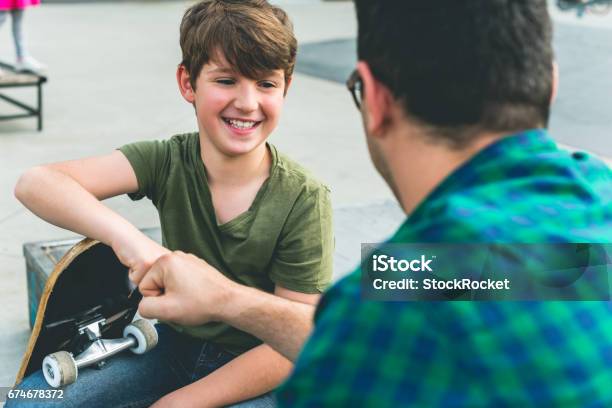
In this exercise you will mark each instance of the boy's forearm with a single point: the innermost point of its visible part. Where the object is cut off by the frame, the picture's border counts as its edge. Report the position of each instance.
(249, 375)
(281, 323)
(60, 200)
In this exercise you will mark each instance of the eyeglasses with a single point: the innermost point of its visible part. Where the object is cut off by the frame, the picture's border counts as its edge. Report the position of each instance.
(355, 86)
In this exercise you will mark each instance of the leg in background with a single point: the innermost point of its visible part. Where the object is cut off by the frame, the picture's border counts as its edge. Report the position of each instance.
(3, 15)
(24, 60)
(17, 19)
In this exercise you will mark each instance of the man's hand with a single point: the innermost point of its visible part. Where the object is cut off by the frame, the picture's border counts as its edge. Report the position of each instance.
(138, 252)
(183, 289)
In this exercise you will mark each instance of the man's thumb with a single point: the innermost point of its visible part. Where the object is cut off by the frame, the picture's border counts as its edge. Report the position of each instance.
(154, 307)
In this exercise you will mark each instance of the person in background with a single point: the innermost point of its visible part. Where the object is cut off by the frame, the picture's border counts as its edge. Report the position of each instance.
(24, 61)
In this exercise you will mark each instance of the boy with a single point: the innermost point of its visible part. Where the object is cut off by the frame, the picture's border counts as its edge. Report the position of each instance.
(222, 194)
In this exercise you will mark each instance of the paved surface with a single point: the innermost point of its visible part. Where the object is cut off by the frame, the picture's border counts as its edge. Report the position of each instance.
(111, 81)
(582, 114)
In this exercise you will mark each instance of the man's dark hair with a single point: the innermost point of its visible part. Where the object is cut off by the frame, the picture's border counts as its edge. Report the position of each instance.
(462, 66)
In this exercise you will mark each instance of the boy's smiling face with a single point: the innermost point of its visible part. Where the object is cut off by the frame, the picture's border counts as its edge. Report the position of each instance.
(236, 113)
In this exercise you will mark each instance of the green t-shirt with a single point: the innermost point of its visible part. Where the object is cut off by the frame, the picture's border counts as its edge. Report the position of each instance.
(285, 237)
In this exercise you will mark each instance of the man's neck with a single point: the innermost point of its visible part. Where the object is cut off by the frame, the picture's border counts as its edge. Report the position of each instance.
(234, 171)
(418, 166)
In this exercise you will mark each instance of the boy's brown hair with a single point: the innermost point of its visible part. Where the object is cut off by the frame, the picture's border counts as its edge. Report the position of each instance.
(253, 36)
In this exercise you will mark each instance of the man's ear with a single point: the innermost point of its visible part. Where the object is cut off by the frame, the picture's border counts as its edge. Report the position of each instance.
(184, 84)
(377, 101)
(555, 82)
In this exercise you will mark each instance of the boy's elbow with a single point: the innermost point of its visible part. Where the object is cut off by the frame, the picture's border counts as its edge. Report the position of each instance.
(27, 183)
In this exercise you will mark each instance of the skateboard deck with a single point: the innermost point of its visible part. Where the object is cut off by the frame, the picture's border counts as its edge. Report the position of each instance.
(87, 297)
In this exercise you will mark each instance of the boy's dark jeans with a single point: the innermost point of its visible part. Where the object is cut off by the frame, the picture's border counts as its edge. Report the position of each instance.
(129, 380)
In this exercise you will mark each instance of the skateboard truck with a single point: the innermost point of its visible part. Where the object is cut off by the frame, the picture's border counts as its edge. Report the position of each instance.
(61, 368)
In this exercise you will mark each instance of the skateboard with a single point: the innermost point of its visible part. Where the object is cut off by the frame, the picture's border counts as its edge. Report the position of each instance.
(85, 316)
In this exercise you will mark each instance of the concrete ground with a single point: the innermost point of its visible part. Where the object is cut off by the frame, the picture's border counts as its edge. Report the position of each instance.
(111, 82)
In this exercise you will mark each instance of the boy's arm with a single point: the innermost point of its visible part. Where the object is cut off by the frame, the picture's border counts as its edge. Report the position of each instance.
(68, 195)
(249, 375)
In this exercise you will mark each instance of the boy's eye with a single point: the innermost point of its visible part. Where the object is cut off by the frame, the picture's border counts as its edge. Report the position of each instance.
(267, 84)
(226, 81)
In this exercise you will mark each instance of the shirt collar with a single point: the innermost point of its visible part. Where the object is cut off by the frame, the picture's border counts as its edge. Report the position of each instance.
(513, 147)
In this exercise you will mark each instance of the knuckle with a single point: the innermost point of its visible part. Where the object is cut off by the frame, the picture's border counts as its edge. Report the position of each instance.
(166, 258)
(142, 286)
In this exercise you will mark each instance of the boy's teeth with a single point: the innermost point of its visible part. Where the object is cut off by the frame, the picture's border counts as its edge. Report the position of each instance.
(241, 124)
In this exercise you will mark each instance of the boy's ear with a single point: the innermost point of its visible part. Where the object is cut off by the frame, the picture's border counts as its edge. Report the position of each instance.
(287, 83)
(184, 83)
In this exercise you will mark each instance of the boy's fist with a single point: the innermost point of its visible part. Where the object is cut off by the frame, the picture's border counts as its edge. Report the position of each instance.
(138, 254)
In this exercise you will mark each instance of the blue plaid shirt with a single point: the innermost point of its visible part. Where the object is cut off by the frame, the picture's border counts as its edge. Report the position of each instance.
(522, 189)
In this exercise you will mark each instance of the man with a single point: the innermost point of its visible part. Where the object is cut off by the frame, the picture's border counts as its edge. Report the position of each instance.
(455, 99)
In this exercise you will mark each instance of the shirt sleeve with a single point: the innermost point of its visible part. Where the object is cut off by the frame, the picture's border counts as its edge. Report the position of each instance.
(360, 353)
(150, 161)
(303, 260)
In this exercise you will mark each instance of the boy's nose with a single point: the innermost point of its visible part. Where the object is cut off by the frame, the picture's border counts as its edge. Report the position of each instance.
(246, 99)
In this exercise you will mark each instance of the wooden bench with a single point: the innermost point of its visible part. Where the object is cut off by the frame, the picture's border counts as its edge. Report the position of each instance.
(10, 78)
(353, 225)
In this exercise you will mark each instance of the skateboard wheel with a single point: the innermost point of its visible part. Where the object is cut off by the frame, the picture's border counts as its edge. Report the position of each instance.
(145, 334)
(59, 369)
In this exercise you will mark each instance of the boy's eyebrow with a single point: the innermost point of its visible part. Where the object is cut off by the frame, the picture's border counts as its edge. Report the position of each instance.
(224, 70)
